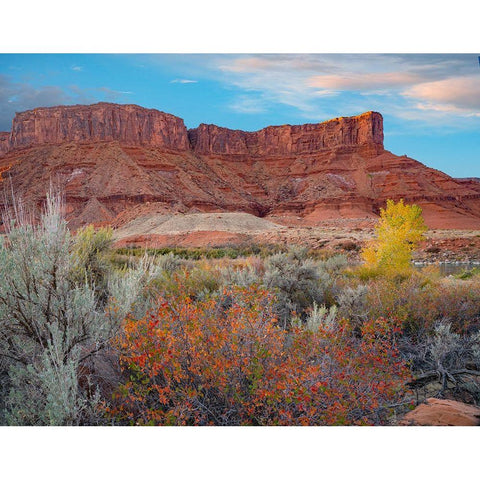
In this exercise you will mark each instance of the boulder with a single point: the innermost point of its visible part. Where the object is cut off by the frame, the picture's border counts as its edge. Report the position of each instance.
(436, 412)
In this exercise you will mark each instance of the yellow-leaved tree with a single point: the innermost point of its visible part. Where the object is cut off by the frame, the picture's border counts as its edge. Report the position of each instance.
(398, 232)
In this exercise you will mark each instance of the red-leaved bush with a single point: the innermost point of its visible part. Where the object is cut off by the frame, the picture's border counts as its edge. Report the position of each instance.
(227, 362)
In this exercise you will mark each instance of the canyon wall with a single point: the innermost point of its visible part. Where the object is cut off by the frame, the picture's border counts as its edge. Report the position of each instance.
(4, 142)
(362, 130)
(111, 158)
(134, 125)
(129, 124)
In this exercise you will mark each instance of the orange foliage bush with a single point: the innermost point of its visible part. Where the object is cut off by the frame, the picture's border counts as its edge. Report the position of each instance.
(227, 362)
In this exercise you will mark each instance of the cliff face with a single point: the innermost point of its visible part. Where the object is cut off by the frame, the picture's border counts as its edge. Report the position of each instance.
(4, 142)
(112, 159)
(128, 124)
(362, 130)
(134, 125)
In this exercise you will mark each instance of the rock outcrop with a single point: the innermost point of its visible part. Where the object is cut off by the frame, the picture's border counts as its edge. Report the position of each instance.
(437, 412)
(129, 124)
(4, 143)
(109, 159)
(362, 130)
(134, 125)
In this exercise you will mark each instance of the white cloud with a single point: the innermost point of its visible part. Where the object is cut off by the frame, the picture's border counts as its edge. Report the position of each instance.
(246, 104)
(183, 80)
(423, 87)
(363, 82)
(111, 95)
(457, 95)
(76, 68)
(18, 97)
(319, 86)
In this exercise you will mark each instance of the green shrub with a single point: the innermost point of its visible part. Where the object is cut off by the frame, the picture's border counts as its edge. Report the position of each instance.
(169, 262)
(421, 302)
(52, 319)
(90, 251)
(298, 282)
(352, 304)
(199, 253)
(466, 274)
(243, 276)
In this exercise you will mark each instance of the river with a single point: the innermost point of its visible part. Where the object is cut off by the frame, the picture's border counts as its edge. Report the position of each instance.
(450, 268)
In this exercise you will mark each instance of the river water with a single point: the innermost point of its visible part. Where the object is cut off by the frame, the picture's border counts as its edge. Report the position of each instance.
(450, 268)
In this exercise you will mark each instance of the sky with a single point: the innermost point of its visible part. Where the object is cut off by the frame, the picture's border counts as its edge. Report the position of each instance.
(430, 103)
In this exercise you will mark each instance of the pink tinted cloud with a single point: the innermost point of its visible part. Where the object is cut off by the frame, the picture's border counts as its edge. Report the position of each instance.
(364, 81)
(247, 64)
(456, 93)
(427, 87)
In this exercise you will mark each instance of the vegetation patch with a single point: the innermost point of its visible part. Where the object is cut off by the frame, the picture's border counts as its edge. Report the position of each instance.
(249, 335)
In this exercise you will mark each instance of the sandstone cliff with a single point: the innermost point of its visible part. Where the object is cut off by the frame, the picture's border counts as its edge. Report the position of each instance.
(129, 124)
(4, 143)
(362, 130)
(111, 159)
(134, 125)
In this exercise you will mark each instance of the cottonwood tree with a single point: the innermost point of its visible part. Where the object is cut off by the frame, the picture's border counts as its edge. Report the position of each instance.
(398, 233)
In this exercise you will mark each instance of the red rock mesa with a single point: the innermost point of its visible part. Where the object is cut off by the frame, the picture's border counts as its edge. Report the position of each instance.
(112, 159)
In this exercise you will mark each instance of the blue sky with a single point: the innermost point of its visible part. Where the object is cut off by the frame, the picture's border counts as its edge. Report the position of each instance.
(430, 103)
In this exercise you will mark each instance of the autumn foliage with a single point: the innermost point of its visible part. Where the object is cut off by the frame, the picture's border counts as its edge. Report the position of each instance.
(398, 232)
(226, 361)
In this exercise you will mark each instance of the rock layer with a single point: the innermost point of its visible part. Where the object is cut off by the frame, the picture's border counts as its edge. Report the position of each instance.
(4, 143)
(362, 130)
(129, 124)
(110, 159)
(437, 412)
(134, 125)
